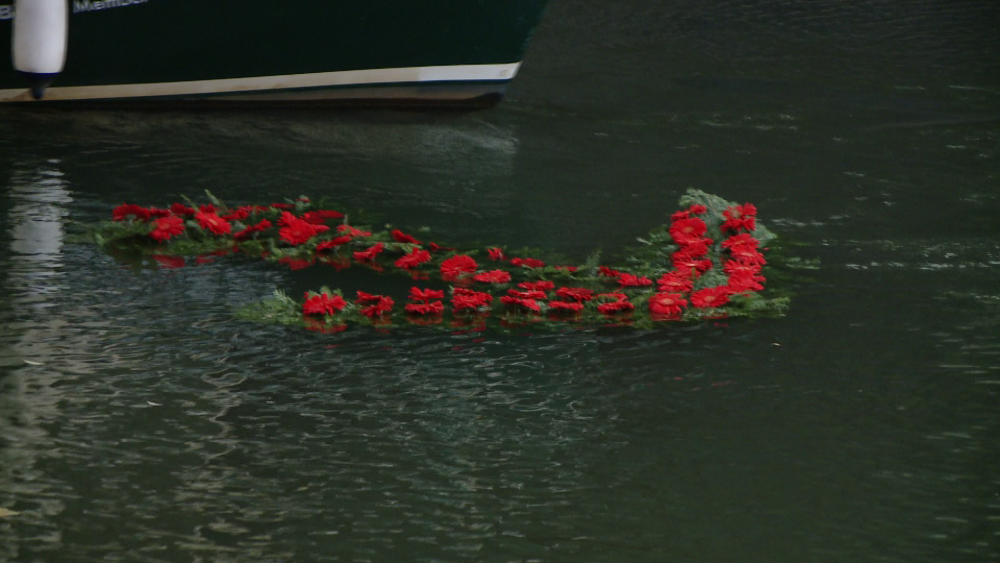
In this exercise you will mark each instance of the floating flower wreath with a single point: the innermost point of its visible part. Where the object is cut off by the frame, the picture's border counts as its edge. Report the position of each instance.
(707, 262)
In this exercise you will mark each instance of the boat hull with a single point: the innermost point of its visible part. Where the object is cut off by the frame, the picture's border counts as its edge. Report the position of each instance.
(449, 52)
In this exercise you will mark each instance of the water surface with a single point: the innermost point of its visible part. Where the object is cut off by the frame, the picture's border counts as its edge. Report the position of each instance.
(140, 421)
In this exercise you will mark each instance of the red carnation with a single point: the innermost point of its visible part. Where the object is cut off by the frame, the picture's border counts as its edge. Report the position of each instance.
(418, 294)
(213, 223)
(526, 294)
(494, 276)
(615, 307)
(565, 306)
(332, 243)
(608, 272)
(462, 299)
(413, 259)
(166, 227)
(688, 231)
(540, 285)
(259, 227)
(400, 236)
(352, 232)
(123, 211)
(674, 282)
(740, 217)
(181, 209)
(710, 297)
(579, 294)
(430, 308)
(377, 305)
(666, 304)
(496, 254)
(369, 254)
(320, 216)
(458, 265)
(323, 304)
(512, 302)
(527, 262)
(632, 280)
(297, 231)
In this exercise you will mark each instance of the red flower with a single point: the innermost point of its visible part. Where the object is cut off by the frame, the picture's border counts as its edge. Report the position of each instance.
(565, 306)
(259, 227)
(296, 263)
(418, 294)
(377, 305)
(323, 304)
(369, 254)
(413, 259)
(710, 297)
(740, 217)
(512, 302)
(632, 280)
(462, 299)
(458, 265)
(697, 209)
(429, 308)
(666, 304)
(169, 261)
(540, 285)
(614, 295)
(527, 262)
(741, 282)
(496, 254)
(297, 231)
(693, 251)
(608, 272)
(615, 307)
(240, 213)
(688, 231)
(213, 223)
(123, 211)
(331, 244)
(285, 206)
(400, 236)
(674, 282)
(526, 294)
(352, 232)
(578, 294)
(166, 227)
(691, 268)
(181, 209)
(320, 216)
(494, 276)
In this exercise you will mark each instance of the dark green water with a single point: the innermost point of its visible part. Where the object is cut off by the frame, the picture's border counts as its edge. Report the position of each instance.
(863, 426)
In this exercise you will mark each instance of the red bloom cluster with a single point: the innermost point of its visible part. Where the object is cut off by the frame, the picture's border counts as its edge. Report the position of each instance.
(425, 301)
(457, 266)
(467, 300)
(322, 304)
(703, 242)
(296, 231)
(493, 276)
(166, 227)
(374, 305)
(415, 258)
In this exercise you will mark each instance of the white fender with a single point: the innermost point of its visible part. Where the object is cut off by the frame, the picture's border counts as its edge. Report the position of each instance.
(38, 44)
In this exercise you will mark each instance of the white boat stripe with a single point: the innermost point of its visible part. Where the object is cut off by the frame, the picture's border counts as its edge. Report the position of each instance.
(455, 73)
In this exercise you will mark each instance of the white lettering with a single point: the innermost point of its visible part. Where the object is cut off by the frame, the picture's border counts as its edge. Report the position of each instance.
(6, 12)
(95, 5)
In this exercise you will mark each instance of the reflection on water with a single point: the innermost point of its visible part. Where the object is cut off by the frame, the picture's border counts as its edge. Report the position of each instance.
(860, 427)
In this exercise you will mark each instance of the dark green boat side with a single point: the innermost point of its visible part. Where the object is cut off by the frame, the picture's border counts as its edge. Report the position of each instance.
(448, 51)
